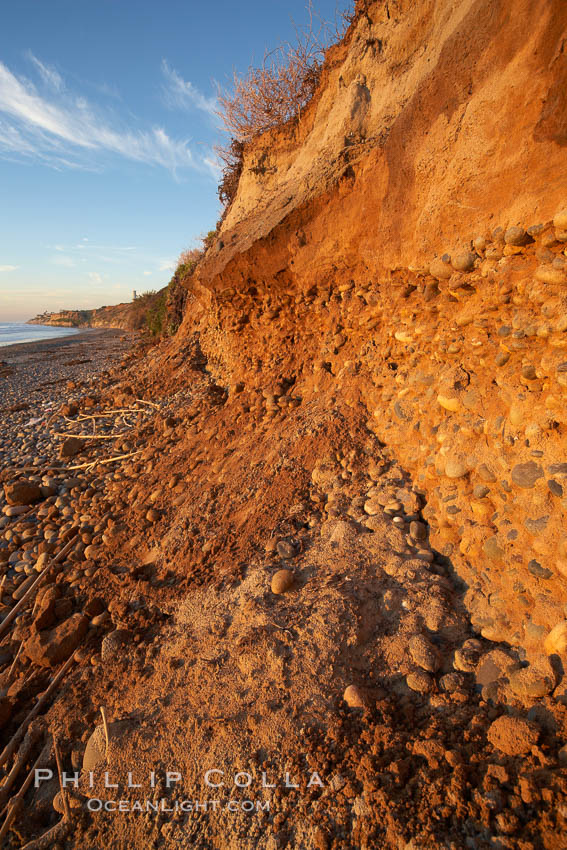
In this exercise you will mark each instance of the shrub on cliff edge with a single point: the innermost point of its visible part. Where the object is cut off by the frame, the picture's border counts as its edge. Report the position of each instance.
(273, 94)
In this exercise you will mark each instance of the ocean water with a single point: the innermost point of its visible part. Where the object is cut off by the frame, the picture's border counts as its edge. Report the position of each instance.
(12, 332)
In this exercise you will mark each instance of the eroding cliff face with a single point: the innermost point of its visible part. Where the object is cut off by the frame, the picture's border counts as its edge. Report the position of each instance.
(378, 254)
(443, 118)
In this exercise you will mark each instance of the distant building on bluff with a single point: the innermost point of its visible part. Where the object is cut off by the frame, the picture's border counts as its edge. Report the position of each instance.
(133, 295)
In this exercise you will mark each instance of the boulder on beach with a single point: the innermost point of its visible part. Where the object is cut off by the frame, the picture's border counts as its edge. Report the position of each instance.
(71, 447)
(50, 648)
(22, 492)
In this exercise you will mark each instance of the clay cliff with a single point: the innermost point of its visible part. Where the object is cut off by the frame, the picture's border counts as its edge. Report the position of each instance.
(398, 249)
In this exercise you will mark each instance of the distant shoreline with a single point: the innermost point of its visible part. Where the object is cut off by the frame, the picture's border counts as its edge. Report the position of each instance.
(20, 333)
(46, 344)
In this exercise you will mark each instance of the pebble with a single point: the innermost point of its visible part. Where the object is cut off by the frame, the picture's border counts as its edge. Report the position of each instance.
(100, 619)
(372, 507)
(354, 697)
(513, 736)
(449, 403)
(114, 643)
(502, 358)
(463, 262)
(556, 641)
(526, 475)
(531, 682)
(282, 581)
(550, 274)
(287, 548)
(420, 682)
(451, 682)
(418, 530)
(71, 446)
(21, 493)
(440, 269)
(455, 467)
(424, 654)
(15, 510)
(515, 236)
(467, 657)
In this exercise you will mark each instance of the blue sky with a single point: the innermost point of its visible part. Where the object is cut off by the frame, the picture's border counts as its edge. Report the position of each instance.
(107, 134)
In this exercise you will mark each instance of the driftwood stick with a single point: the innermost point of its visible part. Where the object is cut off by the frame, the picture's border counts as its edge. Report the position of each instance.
(151, 403)
(16, 802)
(10, 747)
(96, 462)
(34, 732)
(106, 414)
(32, 588)
(89, 463)
(89, 436)
(2, 583)
(15, 661)
(105, 724)
(60, 775)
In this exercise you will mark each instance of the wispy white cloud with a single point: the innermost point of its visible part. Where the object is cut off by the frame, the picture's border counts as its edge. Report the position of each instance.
(49, 75)
(8, 268)
(66, 131)
(166, 265)
(181, 94)
(146, 273)
(95, 277)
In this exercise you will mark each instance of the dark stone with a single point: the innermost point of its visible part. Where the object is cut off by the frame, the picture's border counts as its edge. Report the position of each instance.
(71, 447)
(286, 548)
(536, 526)
(526, 474)
(538, 571)
(22, 493)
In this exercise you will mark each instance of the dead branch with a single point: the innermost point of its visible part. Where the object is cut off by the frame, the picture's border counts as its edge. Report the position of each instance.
(152, 403)
(105, 724)
(10, 747)
(15, 803)
(97, 461)
(33, 733)
(279, 90)
(90, 436)
(14, 662)
(62, 789)
(23, 601)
